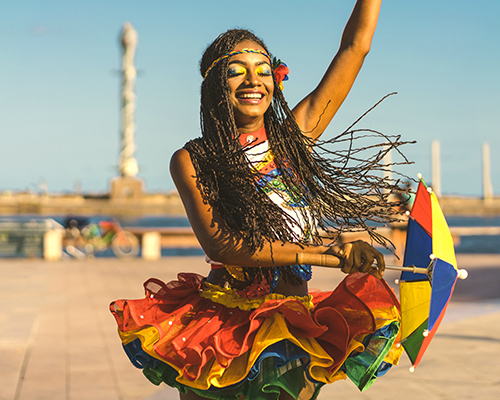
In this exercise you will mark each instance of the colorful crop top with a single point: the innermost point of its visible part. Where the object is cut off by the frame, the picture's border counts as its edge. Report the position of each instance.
(260, 157)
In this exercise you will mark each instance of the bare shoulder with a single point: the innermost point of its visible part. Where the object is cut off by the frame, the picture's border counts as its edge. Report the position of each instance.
(181, 165)
(180, 158)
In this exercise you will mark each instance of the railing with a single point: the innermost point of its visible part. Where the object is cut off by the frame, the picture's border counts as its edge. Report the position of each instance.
(30, 238)
(171, 237)
(475, 230)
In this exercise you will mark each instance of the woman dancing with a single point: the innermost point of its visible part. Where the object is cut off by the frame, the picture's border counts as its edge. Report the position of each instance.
(258, 195)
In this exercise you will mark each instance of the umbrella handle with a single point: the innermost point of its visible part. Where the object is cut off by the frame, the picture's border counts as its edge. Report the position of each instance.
(323, 260)
(329, 260)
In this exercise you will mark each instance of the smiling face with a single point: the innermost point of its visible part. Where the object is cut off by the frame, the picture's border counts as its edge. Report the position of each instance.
(250, 80)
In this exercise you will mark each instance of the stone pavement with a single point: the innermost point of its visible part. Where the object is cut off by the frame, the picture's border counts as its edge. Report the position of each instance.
(58, 339)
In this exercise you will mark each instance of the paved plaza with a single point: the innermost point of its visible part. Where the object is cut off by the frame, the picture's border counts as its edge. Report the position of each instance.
(59, 341)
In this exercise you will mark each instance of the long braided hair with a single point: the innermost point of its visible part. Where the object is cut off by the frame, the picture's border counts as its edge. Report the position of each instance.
(339, 188)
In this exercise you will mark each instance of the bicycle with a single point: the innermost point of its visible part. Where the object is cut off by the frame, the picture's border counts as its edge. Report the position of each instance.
(83, 239)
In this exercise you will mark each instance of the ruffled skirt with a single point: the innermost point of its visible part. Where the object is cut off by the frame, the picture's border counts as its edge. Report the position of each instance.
(201, 337)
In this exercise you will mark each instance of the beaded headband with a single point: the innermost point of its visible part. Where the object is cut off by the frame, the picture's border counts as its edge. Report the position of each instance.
(233, 53)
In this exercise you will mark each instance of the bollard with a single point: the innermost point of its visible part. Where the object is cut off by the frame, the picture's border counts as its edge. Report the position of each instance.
(52, 244)
(151, 246)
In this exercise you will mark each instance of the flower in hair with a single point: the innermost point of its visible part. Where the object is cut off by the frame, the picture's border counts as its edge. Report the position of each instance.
(280, 71)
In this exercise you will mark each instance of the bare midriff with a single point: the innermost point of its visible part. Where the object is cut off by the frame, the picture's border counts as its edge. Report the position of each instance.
(221, 277)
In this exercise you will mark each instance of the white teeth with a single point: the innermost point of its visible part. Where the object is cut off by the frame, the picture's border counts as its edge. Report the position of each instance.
(251, 96)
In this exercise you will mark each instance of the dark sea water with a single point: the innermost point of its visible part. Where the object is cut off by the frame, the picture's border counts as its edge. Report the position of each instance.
(477, 244)
(468, 244)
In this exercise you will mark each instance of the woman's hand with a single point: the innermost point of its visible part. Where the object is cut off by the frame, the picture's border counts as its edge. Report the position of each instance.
(359, 256)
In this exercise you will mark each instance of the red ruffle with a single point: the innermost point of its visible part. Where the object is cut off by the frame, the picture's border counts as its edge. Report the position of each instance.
(202, 330)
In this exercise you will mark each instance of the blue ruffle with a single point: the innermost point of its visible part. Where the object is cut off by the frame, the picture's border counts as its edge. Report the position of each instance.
(283, 353)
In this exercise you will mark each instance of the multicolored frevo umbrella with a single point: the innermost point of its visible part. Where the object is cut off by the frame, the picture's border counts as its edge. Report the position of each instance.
(426, 287)
(429, 273)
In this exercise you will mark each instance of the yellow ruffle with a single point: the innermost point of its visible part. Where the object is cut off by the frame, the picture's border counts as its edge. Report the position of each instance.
(231, 299)
(148, 336)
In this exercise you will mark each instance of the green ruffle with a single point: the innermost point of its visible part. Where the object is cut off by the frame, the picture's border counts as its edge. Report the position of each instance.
(267, 385)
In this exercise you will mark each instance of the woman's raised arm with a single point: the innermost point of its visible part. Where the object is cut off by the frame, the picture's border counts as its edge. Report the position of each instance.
(326, 99)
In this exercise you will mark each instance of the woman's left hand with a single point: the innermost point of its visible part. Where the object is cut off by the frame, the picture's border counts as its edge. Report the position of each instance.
(359, 256)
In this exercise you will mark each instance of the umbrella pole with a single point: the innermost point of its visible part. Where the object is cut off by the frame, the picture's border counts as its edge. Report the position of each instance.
(461, 273)
(410, 268)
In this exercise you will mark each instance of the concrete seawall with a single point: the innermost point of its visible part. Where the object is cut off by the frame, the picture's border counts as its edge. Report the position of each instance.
(170, 204)
(470, 206)
(68, 204)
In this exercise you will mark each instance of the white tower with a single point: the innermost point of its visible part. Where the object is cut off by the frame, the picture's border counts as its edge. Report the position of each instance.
(128, 164)
(127, 186)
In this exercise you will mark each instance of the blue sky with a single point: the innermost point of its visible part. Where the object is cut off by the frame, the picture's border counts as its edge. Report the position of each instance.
(59, 86)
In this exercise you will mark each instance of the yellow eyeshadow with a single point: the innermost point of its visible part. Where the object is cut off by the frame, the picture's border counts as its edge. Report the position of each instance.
(236, 70)
(263, 70)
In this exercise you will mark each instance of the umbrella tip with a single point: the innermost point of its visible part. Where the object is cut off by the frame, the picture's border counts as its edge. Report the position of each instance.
(429, 189)
(419, 175)
(396, 281)
(412, 369)
(432, 256)
(462, 274)
(425, 333)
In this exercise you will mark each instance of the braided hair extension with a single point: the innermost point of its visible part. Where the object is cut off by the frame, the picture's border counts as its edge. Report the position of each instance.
(340, 187)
